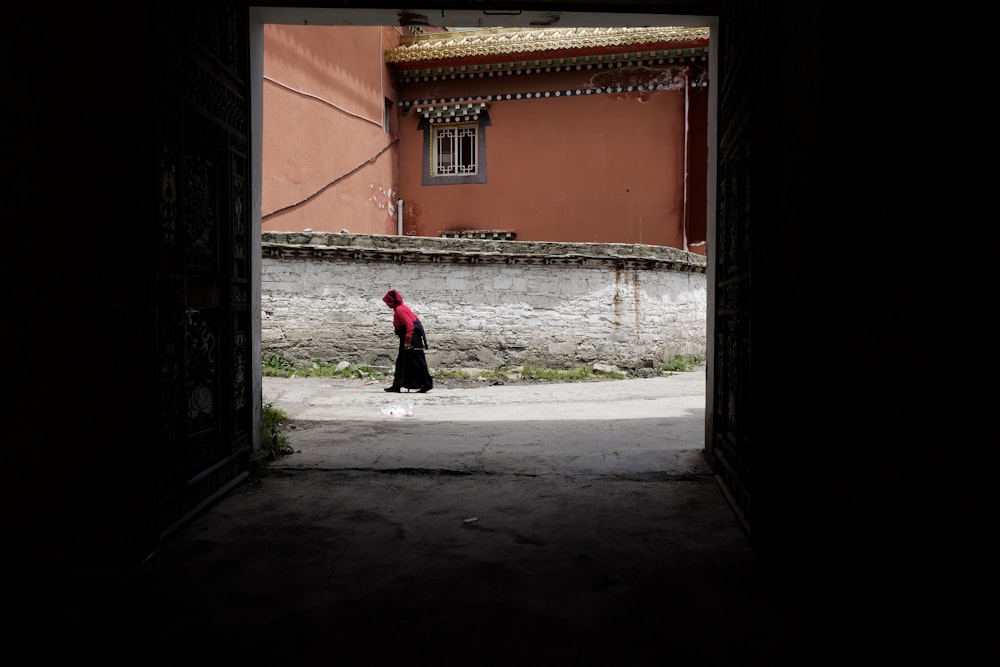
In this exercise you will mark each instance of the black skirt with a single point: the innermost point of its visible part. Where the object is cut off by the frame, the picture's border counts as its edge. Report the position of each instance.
(411, 365)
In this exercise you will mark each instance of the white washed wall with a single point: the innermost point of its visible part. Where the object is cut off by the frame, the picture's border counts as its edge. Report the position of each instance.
(482, 315)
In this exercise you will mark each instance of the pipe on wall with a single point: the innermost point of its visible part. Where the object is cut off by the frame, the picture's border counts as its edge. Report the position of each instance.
(399, 216)
(687, 141)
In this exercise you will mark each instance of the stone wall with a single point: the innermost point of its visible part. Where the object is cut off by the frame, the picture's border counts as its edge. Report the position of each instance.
(485, 304)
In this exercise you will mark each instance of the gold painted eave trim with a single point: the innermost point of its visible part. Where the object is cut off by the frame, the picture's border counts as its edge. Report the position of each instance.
(508, 41)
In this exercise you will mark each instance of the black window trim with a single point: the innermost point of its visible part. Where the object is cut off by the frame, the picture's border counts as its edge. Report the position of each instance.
(479, 177)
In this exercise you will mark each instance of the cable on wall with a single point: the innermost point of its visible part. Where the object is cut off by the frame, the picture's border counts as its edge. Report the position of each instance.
(331, 183)
(324, 101)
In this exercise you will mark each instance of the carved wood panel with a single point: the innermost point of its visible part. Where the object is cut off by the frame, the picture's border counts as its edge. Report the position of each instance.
(731, 444)
(202, 273)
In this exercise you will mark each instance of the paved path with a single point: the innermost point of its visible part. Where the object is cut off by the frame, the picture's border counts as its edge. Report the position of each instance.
(325, 398)
(606, 427)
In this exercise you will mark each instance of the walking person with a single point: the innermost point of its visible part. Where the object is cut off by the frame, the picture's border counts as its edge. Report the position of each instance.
(411, 364)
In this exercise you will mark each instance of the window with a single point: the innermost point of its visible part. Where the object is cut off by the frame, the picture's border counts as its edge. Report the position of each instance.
(455, 153)
(454, 150)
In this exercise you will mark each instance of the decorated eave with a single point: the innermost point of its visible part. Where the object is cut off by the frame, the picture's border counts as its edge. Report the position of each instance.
(505, 51)
(467, 110)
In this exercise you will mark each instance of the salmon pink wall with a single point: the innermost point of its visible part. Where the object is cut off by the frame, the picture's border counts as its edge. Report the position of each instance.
(327, 162)
(577, 168)
(602, 168)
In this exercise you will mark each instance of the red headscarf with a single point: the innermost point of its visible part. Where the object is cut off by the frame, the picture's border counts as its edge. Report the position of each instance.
(393, 298)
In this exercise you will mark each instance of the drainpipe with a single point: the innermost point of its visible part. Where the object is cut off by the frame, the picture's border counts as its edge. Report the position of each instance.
(399, 216)
(687, 113)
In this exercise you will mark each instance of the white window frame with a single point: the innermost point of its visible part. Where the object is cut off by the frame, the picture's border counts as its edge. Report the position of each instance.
(455, 150)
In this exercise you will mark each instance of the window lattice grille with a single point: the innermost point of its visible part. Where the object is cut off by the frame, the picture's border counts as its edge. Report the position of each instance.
(455, 150)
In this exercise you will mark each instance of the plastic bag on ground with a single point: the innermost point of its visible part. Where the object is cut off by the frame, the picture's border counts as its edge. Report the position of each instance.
(401, 408)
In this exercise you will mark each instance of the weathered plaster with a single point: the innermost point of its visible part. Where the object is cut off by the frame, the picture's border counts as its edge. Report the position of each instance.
(485, 304)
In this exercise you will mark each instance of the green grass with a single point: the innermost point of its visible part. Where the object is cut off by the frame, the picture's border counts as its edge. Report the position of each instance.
(572, 375)
(277, 366)
(682, 364)
(462, 374)
(456, 374)
(274, 443)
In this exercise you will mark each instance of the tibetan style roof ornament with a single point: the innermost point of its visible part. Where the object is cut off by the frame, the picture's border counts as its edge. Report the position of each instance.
(509, 41)
(442, 112)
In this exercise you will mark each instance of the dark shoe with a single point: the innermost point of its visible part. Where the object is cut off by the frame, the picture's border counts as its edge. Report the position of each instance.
(392, 388)
(424, 390)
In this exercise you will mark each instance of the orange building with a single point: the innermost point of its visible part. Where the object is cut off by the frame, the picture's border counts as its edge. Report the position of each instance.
(582, 135)
(586, 135)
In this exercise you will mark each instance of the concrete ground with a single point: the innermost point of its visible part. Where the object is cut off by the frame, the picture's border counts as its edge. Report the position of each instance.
(495, 525)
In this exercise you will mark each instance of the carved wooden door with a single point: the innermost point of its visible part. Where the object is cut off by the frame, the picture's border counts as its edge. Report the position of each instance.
(202, 273)
(730, 434)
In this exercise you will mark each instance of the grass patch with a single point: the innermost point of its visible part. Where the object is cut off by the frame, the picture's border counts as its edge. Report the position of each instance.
(682, 364)
(462, 374)
(454, 374)
(530, 372)
(274, 443)
(577, 374)
(277, 366)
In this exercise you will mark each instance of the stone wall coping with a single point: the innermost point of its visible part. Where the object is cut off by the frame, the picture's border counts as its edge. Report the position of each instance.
(428, 249)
